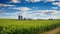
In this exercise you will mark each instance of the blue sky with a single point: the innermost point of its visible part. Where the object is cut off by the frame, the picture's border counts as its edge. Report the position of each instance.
(35, 9)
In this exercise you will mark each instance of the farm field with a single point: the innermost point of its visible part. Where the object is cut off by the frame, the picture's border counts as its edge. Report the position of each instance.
(11, 26)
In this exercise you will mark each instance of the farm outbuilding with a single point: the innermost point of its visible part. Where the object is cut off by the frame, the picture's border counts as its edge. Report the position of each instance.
(20, 17)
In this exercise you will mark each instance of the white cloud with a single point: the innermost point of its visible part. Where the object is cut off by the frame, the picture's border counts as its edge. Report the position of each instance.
(54, 7)
(46, 11)
(9, 15)
(54, 12)
(55, 17)
(33, 0)
(15, 1)
(1, 5)
(41, 0)
(22, 8)
(50, 0)
(56, 3)
(36, 14)
(43, 14)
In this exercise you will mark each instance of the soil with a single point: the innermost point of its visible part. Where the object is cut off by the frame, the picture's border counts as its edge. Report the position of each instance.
(55, 31)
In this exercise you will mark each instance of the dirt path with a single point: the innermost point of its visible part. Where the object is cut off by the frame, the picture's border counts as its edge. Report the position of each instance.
(54, 31)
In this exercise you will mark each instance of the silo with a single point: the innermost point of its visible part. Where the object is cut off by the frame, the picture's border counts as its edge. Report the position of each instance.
(20, 17)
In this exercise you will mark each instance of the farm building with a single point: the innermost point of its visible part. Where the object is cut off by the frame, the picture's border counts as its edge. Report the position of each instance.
(20, 17)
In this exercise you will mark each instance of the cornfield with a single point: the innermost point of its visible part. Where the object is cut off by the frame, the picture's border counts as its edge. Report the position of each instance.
(11, 26)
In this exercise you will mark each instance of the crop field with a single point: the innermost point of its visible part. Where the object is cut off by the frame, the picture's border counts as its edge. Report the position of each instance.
(11, 26)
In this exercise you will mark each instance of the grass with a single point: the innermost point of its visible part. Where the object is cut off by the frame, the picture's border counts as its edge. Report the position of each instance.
(11, 26)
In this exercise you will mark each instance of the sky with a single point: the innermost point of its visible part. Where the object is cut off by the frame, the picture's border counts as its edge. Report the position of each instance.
(35, 9)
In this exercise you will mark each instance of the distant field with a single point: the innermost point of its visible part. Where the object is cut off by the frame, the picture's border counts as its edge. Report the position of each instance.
(11, 26)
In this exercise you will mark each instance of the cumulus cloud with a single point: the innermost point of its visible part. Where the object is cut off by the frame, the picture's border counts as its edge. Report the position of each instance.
(36, 14)
(50, 0)
(23, 11)
(43, 14)
(40, 0)
(54, 7)
(15, 1)
(56, 3)
(1, 5)
(5, 5)
(22, 8)
(52, 12)
(33, 0)
(9, 15)
(46, 11)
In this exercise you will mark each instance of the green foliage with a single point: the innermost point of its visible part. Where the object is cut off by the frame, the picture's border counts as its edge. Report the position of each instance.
(8, 26)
